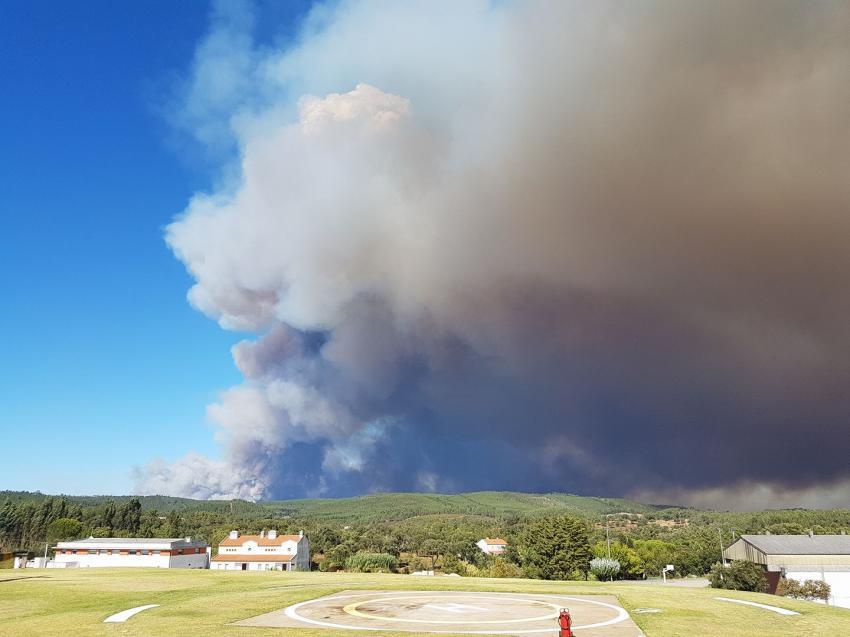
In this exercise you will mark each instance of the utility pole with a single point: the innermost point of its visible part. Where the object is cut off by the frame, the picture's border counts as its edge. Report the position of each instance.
(608, 540)
(722, 558)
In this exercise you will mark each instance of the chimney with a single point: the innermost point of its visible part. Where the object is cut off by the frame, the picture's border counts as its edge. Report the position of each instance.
(301, 533)
(263, 533)
(188, 539)
(272, 534)
(234, 535)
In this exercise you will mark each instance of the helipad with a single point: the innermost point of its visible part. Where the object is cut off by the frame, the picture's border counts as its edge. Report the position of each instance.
(454, 612)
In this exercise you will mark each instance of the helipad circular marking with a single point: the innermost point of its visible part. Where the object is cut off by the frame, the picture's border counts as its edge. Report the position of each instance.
(292, 613)
(351, 609)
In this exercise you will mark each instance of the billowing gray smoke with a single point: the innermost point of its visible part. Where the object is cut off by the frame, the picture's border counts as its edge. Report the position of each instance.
(597, 247)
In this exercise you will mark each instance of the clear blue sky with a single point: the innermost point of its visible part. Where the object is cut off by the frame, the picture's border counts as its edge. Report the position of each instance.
(104, 363)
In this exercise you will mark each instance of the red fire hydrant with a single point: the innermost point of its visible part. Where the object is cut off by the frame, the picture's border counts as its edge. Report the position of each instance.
(565, 622)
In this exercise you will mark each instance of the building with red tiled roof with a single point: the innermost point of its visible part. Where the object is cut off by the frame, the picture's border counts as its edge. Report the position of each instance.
(492, 546)
(263, 552)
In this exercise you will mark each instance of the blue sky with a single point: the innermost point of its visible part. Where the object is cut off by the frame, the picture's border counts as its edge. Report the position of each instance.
(104, 363)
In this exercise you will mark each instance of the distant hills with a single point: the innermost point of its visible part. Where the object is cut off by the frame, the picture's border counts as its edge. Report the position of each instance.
(382, 506)
(395, 506)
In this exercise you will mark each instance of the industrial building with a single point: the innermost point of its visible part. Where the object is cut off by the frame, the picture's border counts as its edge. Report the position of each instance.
(140, 552)
(263, 552)
(799, 557)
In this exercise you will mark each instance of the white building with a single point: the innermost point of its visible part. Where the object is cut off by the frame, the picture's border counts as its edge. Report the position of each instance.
(799, 557)
(263, 552)
(492, 546)
(142, 552)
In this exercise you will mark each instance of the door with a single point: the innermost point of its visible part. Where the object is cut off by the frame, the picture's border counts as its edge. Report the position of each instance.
(244, 566)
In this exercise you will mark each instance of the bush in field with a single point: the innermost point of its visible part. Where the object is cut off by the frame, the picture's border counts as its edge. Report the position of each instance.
(604, 568)
(816, 589)
(739, 576)
(452, 564)
(811, 589)
(789, 588)
(371, 563)
(501, 568)
(416, 563)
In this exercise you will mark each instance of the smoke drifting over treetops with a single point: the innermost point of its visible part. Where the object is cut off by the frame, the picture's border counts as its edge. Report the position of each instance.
(596, 247)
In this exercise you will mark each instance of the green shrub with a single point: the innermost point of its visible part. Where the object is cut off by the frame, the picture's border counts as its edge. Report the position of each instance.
(371, 563)
(417, 563)
(811, 589)
(789, 588)
(452, 564)
(739, 576)
(501, 568)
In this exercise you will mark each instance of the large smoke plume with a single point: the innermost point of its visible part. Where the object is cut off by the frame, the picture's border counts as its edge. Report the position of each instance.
(597, 247)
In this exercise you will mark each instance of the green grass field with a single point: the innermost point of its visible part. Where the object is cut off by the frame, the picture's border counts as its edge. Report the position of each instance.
(204, 603)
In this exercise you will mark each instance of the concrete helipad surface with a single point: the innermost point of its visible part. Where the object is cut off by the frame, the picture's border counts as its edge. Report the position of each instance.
(454, 612)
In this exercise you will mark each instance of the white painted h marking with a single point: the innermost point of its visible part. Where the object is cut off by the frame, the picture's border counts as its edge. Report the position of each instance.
(455, 608)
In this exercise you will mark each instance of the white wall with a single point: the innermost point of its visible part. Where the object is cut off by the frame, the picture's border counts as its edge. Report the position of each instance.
(83, 559)
(252, 566)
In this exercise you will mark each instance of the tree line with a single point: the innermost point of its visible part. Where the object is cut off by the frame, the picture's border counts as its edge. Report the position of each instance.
(540, 546)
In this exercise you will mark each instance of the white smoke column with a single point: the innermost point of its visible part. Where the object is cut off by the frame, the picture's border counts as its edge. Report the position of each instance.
(589, 239)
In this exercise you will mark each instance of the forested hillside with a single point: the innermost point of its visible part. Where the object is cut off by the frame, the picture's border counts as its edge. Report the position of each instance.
(382, 506)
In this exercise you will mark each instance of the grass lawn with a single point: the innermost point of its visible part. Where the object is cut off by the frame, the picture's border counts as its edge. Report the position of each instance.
(76, 601)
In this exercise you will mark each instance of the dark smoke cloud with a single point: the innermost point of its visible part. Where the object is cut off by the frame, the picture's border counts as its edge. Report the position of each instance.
(594, 247)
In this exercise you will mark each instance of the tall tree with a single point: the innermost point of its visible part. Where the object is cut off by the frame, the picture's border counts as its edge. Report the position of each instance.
(108, 516)
(554, 548)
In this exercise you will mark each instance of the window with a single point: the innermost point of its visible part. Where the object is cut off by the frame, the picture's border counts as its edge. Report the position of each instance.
(145, 552)
(157, 552)
(92, 552)
(131, 552)
(103, 551)
(74, 552)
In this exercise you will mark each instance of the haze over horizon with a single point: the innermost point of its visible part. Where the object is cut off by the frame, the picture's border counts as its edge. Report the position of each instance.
(598, 248)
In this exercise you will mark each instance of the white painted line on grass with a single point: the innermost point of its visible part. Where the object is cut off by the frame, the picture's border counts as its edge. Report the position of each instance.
(775, 609)
(124, 615)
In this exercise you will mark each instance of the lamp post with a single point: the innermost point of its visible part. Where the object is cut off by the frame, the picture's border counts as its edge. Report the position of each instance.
(608, 541)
